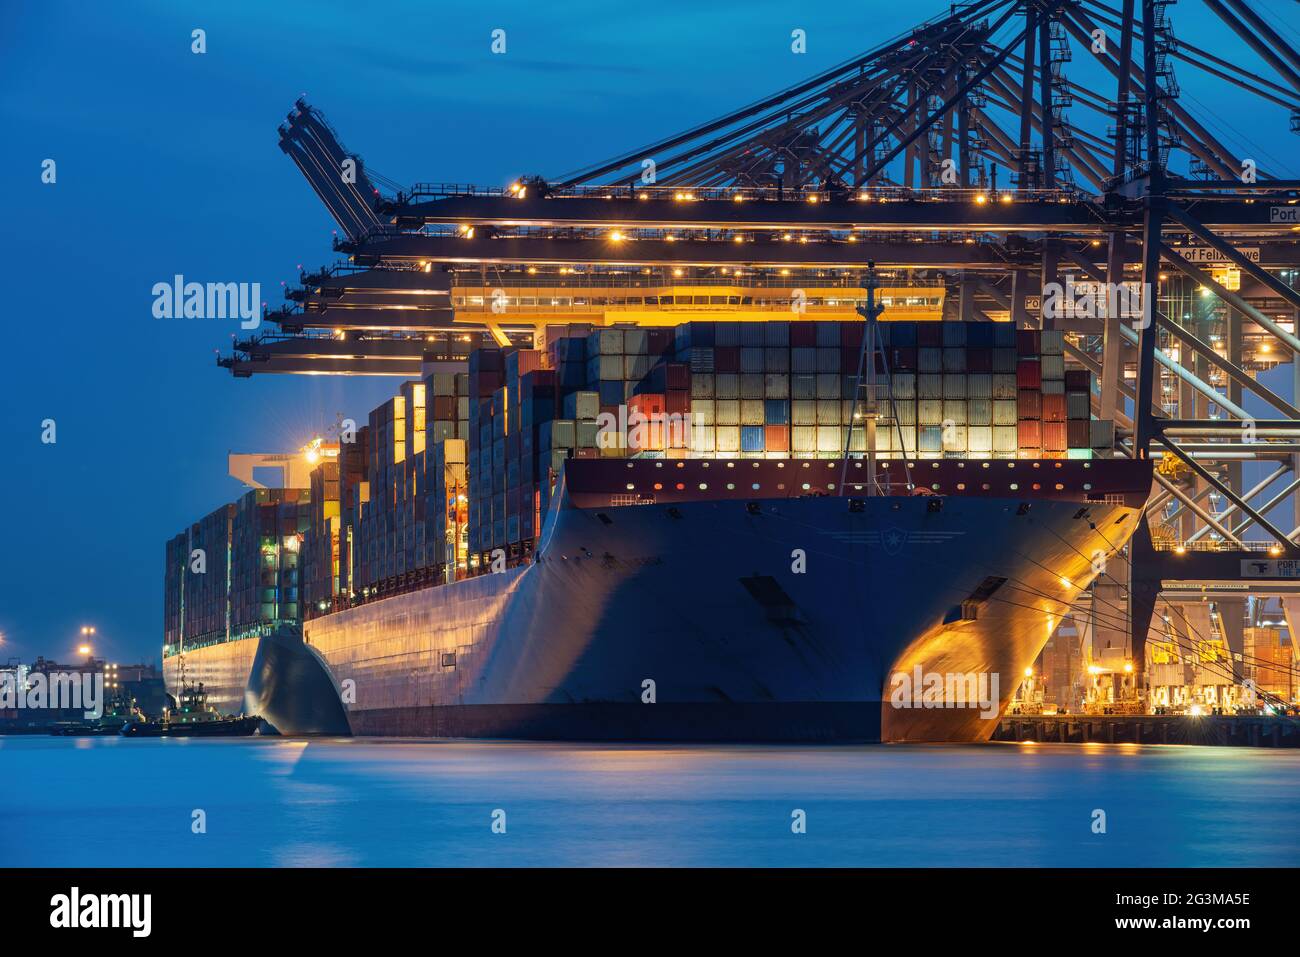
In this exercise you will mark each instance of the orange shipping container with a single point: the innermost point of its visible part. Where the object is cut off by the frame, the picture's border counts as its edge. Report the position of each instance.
(1029, 434)
(777, 438)
(1054, 438)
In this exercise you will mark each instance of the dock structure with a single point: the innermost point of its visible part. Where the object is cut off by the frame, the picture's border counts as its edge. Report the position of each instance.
(1216, 730)
(981, 182)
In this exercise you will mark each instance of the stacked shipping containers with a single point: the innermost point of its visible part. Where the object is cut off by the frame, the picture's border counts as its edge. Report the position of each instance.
(197, 586)
(320, 546)
(458, 465)
(266, 534)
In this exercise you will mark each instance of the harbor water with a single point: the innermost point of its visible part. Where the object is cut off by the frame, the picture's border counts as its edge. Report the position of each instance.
(359, 802)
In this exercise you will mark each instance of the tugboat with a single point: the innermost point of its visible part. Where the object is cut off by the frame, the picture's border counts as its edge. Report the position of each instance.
(193, 717)
(119, 712)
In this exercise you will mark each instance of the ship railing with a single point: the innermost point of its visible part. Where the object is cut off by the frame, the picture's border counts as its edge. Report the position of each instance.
(574, 279)
(1214, 545)
(417, 579)
(689, 194)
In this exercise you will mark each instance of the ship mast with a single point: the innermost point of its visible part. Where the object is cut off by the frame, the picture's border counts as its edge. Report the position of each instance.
(870, 312)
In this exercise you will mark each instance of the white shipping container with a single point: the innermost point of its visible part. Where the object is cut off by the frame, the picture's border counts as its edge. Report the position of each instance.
(979, 439)
(751, 411)
(728, 438)
(929, 359)
(904, 412)
(726, 385)
(702, 411)
(929, 412)
(727, 412)
(954, 411)
(703, 440)
(1053, 365)
(979, 385)
(979, 412)
(1004, 412)
(803, 412)
(954, 438)
(830, 438)
(776, 386)
(904, 385)
(702, 385)
(1052, 343)
(828, 412)
(1005, 438)
(929, 385)
(954, 386)
(803, 438)
(752, 385)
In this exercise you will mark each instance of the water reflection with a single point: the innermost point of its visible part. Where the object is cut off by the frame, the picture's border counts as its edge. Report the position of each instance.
(99, 802)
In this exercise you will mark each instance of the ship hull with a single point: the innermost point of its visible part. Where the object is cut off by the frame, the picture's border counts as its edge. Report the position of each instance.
(795, 619)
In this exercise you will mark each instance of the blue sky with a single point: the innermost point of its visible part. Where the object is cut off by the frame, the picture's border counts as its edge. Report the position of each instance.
(167, 163)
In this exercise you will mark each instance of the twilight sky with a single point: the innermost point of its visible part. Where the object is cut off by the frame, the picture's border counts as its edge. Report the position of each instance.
(167, 163)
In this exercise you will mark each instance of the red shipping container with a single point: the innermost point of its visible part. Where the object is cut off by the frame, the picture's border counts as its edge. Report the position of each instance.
(677, 375)
(1078, 380)
(852, 333)
(727, 358)
(530, 360)
(647, 403)
(1029, 434)
(929, 335)
(1054, 407)
(1079, 433)
(802, 333)
(777, 438)
(677, 402)
(659, 340)
(1029, 404)
(1054, 436)
(1027, 342)
(979, 359)
(1029, 374)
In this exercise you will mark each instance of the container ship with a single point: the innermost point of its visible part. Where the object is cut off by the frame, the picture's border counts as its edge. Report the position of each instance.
(718, 531)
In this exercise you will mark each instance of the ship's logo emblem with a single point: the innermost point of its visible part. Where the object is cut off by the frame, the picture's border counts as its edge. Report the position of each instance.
(892, 539)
